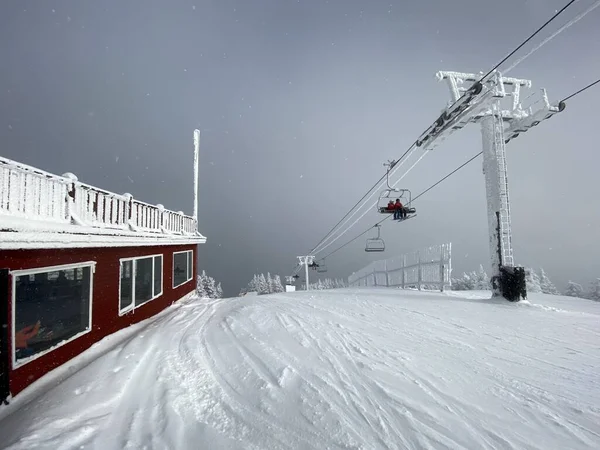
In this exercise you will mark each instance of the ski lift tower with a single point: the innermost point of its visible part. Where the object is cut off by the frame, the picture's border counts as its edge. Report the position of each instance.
(306, 261)
(495, 103)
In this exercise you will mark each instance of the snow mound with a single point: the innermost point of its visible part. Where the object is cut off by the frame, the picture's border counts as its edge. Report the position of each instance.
(352, 368)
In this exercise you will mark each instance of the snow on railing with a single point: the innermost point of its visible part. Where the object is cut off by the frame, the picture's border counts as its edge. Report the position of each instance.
(423, 269)
(31, 193)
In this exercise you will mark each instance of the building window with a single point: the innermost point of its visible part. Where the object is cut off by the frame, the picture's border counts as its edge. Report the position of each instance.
(51, 306)
(183, 267)
(141, 281)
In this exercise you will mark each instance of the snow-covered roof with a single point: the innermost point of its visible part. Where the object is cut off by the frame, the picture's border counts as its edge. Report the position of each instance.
(39, 209)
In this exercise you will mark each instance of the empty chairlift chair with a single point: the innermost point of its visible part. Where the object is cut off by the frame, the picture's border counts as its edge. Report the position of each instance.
(322, 268)
(375, 244)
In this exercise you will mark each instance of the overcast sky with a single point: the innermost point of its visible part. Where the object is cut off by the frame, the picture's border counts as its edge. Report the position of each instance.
(300, 102)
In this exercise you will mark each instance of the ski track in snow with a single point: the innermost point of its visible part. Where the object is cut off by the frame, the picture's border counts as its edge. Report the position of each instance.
(341, 369)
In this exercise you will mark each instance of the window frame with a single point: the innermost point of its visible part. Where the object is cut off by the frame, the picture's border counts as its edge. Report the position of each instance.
(190, 269)
(21, 272)
(133, 259)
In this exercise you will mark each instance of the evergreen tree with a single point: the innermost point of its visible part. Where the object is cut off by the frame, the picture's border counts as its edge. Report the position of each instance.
(262, 287)
(482, 280)
(546, 285)
(219, 291)
(574, 290)
(200, 287)
(464, 283)
(209, 285)
(277, 286)
(594, 293)
(532, 280)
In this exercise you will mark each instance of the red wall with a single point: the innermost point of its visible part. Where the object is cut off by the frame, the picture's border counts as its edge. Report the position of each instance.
(105, 303)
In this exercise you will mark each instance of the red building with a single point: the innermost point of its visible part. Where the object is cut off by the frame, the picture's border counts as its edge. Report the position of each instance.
(78, 263)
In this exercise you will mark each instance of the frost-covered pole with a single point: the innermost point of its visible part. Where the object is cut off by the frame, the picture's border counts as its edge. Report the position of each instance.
(496, 186)
(306, 260)
(306, 274)
(481, 103)
(196, 153)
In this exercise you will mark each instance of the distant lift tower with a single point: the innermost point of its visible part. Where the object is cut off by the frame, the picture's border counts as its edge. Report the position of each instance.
(495, 103)
(306, 261)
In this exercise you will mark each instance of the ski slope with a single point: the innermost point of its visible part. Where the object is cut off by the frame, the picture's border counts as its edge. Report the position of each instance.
(352, 368)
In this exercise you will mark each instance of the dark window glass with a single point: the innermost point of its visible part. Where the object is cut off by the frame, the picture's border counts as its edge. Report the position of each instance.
(143, 280)
(180, 270)
(50, 308)
(126, 285)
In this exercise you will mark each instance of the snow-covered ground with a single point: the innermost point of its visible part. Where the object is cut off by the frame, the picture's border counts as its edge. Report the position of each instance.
(351, 368)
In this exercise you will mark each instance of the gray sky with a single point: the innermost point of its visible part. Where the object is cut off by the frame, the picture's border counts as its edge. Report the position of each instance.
(299, 103)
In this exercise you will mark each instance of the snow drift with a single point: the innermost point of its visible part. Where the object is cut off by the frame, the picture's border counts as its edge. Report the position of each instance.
(351, 368)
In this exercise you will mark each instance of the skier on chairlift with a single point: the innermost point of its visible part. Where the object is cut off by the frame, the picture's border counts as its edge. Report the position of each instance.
(399, 211)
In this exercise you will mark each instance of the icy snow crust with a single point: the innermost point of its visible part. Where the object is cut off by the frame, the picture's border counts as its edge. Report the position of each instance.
(352, 368)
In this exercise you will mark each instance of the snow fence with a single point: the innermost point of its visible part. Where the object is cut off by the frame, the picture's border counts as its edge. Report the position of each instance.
(428, 268)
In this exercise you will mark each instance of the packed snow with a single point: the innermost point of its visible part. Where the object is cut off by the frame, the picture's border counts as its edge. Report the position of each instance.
(350, 368)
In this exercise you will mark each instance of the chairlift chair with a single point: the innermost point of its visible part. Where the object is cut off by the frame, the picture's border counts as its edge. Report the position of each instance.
(375, 244)
(391, 194)
(322, 268)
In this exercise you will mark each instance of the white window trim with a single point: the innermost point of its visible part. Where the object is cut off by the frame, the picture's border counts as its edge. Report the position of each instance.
(186, 261)
(16, 273)
(133, 306)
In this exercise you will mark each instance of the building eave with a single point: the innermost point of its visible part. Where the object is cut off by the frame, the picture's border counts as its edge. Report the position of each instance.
(45, 240)
(27, 234)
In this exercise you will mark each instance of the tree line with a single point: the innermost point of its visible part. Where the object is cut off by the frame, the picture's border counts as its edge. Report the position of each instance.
(536, 282)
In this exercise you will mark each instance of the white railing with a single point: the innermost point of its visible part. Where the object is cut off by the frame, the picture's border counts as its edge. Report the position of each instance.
(30, 193)
(429, 268)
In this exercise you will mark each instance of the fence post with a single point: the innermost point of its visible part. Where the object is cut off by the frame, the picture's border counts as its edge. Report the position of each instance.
(402, 271)
(419, 269)
(387, 278)
(449, 249)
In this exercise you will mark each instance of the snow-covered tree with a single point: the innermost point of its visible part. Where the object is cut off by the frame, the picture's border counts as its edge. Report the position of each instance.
(262, 285)
(206, 288)
(209, 285)
(277, 286)
(574, 290)
(200, 287)
(594, 293)
(546, 285)
(464, 283)
(532, 280)
(481, 279)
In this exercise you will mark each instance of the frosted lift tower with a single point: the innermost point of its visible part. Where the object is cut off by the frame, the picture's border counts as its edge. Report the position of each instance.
(306, 261)
(495, 103)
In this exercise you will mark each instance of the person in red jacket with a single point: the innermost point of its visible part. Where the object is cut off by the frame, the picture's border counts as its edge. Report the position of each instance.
(399, 212)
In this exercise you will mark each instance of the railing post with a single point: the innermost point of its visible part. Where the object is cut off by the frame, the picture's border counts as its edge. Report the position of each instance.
(70, 199)
(130, 218)
(161, 214)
